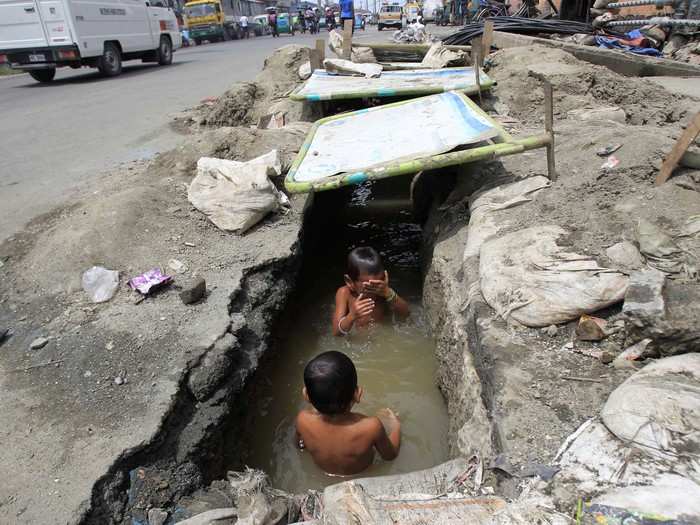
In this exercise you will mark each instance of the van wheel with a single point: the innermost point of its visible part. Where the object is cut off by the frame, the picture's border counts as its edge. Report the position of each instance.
(43, 75)
(110, 63)
(380, 27)
(165, 51)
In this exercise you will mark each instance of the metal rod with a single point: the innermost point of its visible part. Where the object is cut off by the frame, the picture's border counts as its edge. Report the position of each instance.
(654, 21)
(634, 3)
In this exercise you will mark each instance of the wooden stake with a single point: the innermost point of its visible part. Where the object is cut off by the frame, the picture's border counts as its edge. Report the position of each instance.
(315, 60)
(476, 51)
(321, 48)
(549, 128)
(486, 41)
(347, 39)
(679, 148)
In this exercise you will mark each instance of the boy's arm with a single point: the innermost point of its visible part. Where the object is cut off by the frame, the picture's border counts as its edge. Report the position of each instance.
(388, 438)
(399, 305)
(341, 313)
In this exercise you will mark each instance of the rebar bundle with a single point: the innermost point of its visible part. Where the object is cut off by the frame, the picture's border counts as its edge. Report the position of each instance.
(513, 24)
(635, 3)
(657, 20)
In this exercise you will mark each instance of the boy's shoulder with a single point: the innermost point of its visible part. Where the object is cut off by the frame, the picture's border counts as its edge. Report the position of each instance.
(343, 292)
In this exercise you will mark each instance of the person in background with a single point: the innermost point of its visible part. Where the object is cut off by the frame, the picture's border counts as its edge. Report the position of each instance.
(366, 296)
(272, 20)
(347, 12)
(340, 441)
(244, 26)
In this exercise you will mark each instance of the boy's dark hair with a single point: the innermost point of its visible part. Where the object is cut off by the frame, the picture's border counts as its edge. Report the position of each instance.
(364, 260)
(330, 379)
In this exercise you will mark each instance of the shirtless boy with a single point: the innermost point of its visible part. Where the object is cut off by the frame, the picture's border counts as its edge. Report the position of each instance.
(340, 441)
(366, 295)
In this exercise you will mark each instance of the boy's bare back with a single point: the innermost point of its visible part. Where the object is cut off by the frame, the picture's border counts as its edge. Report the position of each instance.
(344, 444)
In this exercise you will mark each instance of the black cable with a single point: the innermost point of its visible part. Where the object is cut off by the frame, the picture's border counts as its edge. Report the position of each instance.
(516, 24)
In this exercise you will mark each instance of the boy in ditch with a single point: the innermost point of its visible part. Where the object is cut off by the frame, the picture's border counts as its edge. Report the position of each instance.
(366, 296)
(340, 441)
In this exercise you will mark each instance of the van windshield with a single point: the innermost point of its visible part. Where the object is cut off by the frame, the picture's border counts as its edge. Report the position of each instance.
(200, 10)
(391, 9)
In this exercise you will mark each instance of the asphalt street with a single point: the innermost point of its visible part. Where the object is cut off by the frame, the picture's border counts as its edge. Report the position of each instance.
(55, 137)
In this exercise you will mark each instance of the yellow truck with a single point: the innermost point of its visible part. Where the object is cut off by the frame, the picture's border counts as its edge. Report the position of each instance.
(215, 21)
(390, 15)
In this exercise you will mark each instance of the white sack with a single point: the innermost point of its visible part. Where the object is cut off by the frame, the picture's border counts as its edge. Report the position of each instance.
(526, 276)
(338, 66)
(438, 56)
(236, 195)
(658, 408)
(483, 222)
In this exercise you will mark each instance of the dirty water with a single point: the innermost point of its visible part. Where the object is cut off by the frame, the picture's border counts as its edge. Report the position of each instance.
(395, 362)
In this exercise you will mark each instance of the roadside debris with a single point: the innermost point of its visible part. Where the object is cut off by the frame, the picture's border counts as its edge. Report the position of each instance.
(177, 266)
(439, 56)
(39, 342)
(611, 163)
(590, 328)
(527, 276)
(193, 290)
(338, 66)
(635, 352)
(607, 150)
(625, 256)
(100, 283)
(236, 195)
(149, 281)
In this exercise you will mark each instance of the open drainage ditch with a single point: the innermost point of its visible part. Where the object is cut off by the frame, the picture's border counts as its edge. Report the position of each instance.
(236, 405)
(395, 361)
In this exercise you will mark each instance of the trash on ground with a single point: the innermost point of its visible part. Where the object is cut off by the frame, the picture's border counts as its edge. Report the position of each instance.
(439, 56)
(304, 70)
(272, 121)
(611, 163)
(338, 66)
(149, 281)
(236, 195)
(324, 86)
(526, 276)
(663, 252)
(177, 266)
(633, 353)
(394, 133)
(100, 283)
(607, 150)
(590, 328)
(413, 34)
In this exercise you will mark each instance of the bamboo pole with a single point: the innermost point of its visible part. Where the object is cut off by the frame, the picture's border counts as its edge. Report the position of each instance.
(549, 128)
(347, 39)
(486, 41)
(321, 48)
(679, 148)
(315, 60)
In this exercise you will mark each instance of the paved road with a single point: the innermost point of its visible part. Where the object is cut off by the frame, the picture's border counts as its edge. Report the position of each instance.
(55, 137)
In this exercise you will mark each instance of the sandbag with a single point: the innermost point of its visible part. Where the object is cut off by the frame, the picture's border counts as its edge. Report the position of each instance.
(658, 408)
(483, 222)
(236, 195)
(439, 56)
(526, 276)
(338, 66)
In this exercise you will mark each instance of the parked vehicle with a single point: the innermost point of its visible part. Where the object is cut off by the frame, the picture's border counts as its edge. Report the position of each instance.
(261, 25)
(390, 15)
(216, 21)
(40, 36)
(285, 24)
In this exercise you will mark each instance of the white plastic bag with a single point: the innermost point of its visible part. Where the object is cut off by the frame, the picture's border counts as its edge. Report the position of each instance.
(236, 195)
(338, 66)
(526, 276)
(100, 283)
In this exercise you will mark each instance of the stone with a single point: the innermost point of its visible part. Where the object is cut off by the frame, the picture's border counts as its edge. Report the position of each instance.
(625, 256)
(551, 330)
(118, 381)
(157, 516)
(590, 328)
(644, 301)
(193, 290)
(39, 342)
(177, 266)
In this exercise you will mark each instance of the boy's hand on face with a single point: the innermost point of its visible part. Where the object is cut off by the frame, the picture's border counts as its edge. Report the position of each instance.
(362, 306)
(379, 287)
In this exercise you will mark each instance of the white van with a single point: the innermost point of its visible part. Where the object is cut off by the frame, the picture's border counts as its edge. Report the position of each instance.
(40, 35)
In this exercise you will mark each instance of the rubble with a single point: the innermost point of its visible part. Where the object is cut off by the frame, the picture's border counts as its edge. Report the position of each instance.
(193, 290)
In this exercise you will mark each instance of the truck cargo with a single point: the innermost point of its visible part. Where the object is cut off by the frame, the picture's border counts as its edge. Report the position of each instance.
(217, 20)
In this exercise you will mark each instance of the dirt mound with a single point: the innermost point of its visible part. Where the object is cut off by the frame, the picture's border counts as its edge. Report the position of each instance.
(246, 102)
(578, 85)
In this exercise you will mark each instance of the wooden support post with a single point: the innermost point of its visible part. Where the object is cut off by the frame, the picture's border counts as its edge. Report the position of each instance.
(549, 128)
(486, 41)
(347, 39)
(476, 57)
(321, 48)
(679, 148)
(314, 60)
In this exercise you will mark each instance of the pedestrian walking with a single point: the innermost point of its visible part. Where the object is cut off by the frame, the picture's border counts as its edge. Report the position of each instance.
(272, 20)
(347, 12)
(244, 26)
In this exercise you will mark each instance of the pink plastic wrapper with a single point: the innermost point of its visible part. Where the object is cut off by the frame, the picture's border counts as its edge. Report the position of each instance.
(149, 281)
